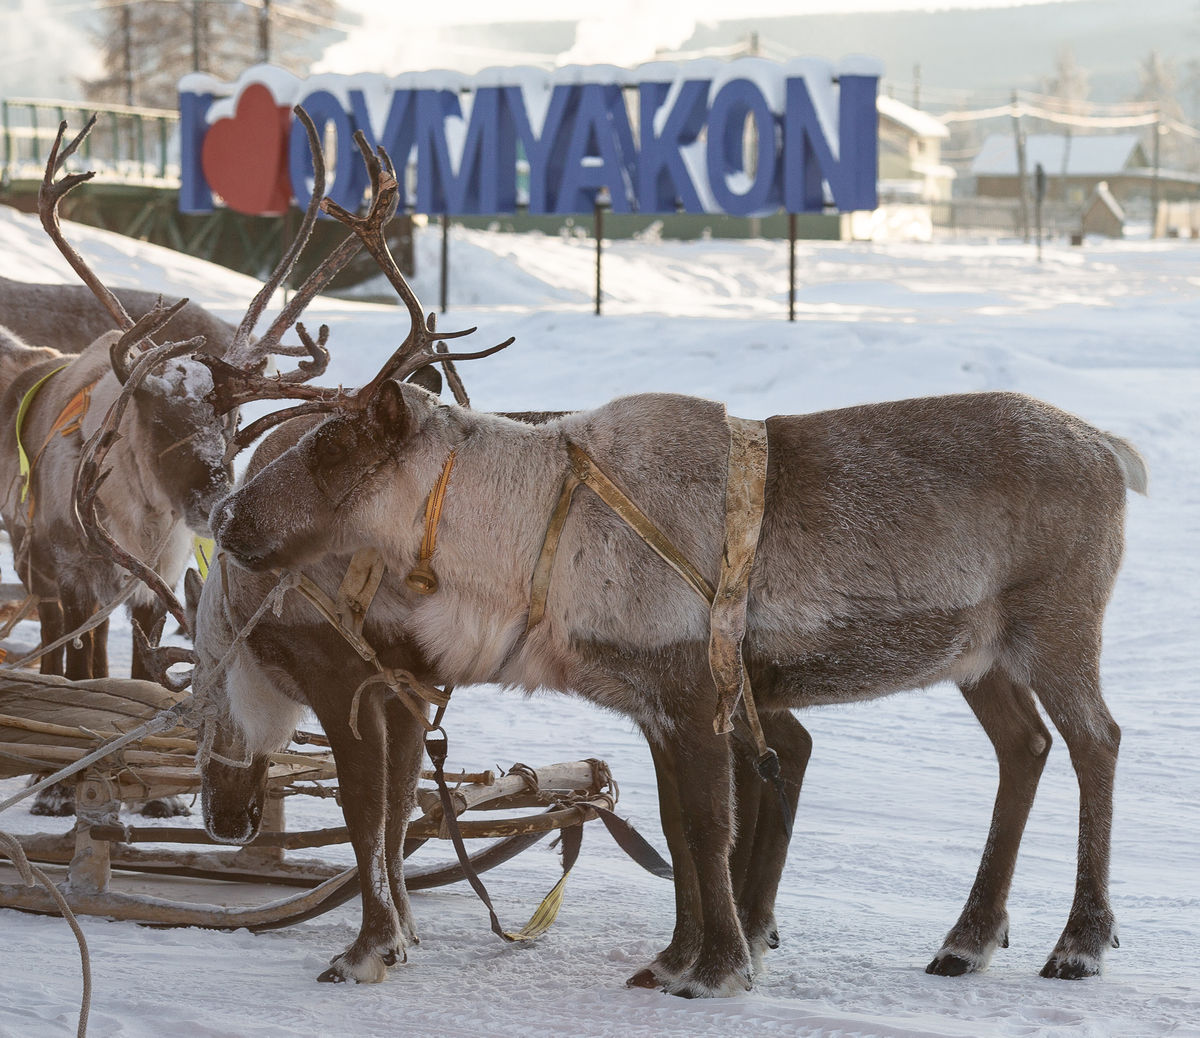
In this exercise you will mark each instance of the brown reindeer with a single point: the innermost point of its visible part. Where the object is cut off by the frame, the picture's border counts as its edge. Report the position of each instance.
(968, 538)
(293, 658)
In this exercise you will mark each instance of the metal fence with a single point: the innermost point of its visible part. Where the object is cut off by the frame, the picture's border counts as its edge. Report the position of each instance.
(130, 144)
(1003, 217)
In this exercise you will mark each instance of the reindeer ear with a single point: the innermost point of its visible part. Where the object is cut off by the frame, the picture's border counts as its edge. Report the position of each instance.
(388, 409)
(427, 377)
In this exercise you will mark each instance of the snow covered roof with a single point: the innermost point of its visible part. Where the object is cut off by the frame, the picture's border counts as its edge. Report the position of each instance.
(921, 123)
(1086, 155)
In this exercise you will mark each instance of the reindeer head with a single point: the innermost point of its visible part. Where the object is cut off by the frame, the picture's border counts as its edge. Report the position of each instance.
(320, 495)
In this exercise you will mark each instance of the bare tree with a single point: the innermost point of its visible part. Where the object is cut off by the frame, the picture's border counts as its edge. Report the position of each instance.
(1068, 86)
(147, 46)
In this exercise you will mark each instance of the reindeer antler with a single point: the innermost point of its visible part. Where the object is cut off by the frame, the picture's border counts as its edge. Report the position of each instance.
(234, 385)
(419, 346)
(50, 194)
(159, 659)
(88, 475)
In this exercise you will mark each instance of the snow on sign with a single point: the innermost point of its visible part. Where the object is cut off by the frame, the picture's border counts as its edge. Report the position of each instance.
(746, 137)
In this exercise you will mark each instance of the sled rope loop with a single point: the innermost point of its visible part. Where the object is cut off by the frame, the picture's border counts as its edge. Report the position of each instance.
(11, 847)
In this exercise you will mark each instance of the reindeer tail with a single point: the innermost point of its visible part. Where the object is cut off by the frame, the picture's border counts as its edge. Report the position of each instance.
(1133, 466)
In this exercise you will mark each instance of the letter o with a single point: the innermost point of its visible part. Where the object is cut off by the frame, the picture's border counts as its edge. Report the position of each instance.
(736, 102)
(345, 176)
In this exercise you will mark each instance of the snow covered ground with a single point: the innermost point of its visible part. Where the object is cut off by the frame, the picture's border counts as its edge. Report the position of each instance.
(898, 795)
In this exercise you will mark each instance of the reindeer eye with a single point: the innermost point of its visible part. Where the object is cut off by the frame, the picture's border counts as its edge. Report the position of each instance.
(335, 444)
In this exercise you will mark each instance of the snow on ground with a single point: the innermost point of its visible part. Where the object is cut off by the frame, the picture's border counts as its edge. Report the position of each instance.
(898, 795)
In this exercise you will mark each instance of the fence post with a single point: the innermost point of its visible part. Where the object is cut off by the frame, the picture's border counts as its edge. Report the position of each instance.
(445, 260)
(791, 266)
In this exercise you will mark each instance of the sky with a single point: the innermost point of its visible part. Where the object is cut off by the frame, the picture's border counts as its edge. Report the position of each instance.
(45, 48)
(626, 32)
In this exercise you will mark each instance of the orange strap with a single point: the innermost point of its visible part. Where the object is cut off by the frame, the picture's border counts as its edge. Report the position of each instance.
(69, 420)
(421, 578)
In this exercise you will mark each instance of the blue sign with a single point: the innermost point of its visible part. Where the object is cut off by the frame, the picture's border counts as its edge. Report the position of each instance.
(747, 138)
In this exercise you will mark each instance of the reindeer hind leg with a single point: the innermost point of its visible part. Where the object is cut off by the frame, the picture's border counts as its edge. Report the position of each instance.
(1073, 701)
(761, 844)
(1009, 716)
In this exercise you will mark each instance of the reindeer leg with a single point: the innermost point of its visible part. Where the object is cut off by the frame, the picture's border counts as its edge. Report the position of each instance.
(670, 963)
(50, 616)
(405, 747)
(1073, 701)
(1010, 717)
(146, 617)
(363, 780)
(58, 800)
(78, 607)
(100, 650)
(704, 781)
(761, 845)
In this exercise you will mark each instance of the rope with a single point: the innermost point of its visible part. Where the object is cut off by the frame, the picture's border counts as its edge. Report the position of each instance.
(10, 846)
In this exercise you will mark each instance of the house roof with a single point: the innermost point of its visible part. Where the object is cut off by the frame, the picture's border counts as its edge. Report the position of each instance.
(1085, 156)
(920, 123)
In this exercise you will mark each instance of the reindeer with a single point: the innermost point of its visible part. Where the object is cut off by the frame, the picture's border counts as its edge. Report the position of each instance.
(972, 538)
(69, 318)
(294, 658)
(170, 470)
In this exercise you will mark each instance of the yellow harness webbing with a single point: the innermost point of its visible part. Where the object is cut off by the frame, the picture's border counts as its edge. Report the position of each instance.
(69, 420)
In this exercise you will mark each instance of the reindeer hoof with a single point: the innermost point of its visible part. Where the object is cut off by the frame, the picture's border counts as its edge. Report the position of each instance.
(772, 939)
(950, 965)
(52, 810)
(331, 976)
(1069, 969)
(644, 978)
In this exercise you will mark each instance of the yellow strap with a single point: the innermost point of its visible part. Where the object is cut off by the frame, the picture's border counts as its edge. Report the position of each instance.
(545, 914)
(22, 410)
(421, 578)
(203, 548)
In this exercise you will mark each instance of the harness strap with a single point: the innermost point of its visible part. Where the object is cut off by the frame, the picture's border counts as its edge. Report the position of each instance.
(539, 587)
(346, 615)
(572, 837)
(421, 578)
(69, 420)
(745, 497)
(597, 479)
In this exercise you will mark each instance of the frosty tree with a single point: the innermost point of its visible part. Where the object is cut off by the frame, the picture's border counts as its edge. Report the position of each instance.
(147, 45)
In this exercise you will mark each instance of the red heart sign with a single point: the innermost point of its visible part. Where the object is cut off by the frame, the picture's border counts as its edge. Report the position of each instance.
(245, 158)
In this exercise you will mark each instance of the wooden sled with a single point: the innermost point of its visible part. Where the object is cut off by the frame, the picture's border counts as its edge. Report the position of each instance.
(104, 868)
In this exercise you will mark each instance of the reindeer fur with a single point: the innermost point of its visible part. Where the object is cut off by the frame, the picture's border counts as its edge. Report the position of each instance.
(969, 538)
(70, 317)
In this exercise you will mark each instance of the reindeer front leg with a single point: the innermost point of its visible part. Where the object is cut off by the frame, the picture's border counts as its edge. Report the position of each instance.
(704, 778)
(363, 781)
(673, 960)
(78, 606)
(405, 747)
(708, 955)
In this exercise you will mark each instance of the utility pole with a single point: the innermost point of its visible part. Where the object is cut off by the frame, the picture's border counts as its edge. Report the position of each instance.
(917, 85)
(1155, 187)
(196, 35)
